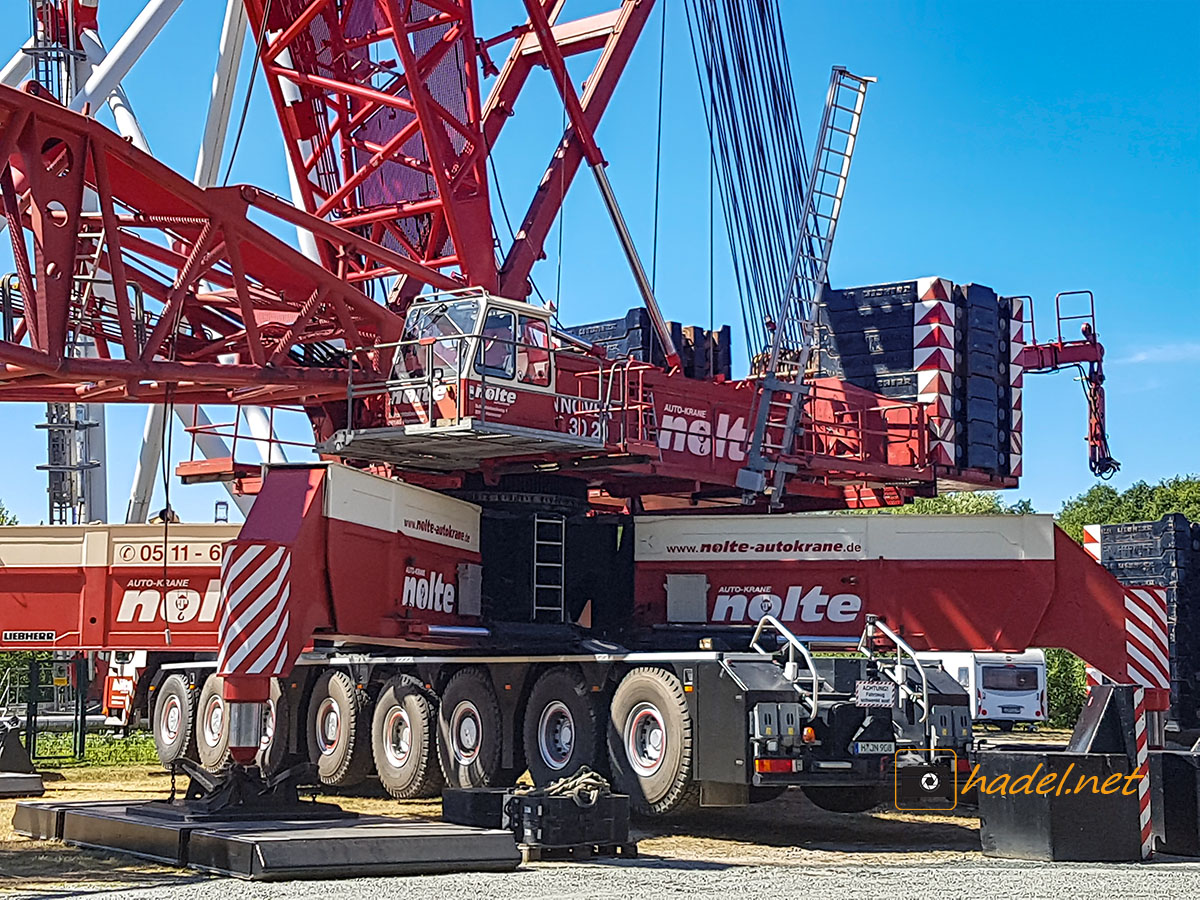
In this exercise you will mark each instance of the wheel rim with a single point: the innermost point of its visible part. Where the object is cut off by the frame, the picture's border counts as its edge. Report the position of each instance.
(397, 740)
(466, 729)
(170, 719)
(645, 739)
(214, 720)
(329, 726)
(556, 735)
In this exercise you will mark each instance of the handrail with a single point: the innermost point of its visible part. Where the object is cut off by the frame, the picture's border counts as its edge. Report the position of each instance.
(794, 644)
(874, 622)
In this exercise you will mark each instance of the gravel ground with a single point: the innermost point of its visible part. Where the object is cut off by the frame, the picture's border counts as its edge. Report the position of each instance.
(974, 879)
(784, 848)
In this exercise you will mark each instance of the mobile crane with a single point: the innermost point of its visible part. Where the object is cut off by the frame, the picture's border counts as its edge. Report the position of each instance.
(478, 590)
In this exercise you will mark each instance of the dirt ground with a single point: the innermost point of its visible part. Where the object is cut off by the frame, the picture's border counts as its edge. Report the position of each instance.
(785, 830)
(788, 829)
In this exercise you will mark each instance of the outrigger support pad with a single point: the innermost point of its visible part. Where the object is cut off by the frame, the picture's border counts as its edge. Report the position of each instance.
(242, 792)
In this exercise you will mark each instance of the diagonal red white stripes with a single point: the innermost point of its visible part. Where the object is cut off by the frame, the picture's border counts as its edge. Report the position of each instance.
(1141, 739)
(255, 586)
(1146, 642)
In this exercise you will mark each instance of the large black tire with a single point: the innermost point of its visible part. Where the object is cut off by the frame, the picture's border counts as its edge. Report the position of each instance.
(174, 720)
(650, 743)
(339, 730)
(212, 727)
(563, 730)
(470, 743)
(839, 799)
(277, 725)
(404, 740)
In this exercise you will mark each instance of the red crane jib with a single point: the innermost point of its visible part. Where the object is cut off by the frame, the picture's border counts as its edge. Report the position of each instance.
(237, 305)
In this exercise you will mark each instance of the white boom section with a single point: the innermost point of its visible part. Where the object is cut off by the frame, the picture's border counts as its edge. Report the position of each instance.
(117, 63)
(220, 105)
(17, 69)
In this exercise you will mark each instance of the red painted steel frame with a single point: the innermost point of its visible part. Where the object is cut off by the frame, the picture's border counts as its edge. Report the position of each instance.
(381, 109)
(231, 307)
(229, 303)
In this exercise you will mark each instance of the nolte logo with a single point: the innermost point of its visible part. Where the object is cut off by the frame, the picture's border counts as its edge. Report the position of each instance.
(741, 604)
(428, 591)
(181, 604)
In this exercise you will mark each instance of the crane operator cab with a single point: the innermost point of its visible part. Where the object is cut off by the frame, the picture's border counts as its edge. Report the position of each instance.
(501, 341)
(475, 377)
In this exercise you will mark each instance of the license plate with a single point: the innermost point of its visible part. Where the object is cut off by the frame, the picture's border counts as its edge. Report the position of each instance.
(1010, 710)
(884, 748)
(874, 693)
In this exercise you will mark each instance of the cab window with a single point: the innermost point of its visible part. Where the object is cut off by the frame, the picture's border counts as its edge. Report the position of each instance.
(446, 326)
(533, 352)
(497, 345)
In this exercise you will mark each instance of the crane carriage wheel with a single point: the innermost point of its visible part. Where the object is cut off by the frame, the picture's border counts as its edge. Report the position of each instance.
(339, 730)
(212, 727)
(470, 739)
(563, 728)
(174, 720)
(404, 740)
(650, 742)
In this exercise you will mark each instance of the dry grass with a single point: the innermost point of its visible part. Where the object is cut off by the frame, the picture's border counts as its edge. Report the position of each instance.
(25, 863)
(787, 830)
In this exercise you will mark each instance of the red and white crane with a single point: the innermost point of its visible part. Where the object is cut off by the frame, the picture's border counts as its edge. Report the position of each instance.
(414, 353)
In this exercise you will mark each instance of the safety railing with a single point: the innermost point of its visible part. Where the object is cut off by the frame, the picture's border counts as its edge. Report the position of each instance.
(237, 433)
(791, 666)
(1088, 318)
(866, 646)
(592, 397)
(834, 428)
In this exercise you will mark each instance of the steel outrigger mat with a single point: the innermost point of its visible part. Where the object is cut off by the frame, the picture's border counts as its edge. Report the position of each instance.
(273, 849)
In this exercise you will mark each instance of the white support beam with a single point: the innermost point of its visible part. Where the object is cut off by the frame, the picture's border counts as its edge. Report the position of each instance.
(291, 96)
(150, 459)
(216, 126)
(259, 423)
(107, 75)
(17, 69)
(118, 103)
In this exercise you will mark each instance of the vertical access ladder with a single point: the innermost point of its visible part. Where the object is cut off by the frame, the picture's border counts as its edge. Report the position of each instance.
(549, 567)
(782, 391)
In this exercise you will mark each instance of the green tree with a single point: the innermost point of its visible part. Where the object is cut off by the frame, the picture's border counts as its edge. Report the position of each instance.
(1066, 687)
(963, 503)
(1141, 502)
(6, 518)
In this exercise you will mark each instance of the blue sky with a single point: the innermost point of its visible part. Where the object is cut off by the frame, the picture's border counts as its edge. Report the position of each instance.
(1034, 147)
